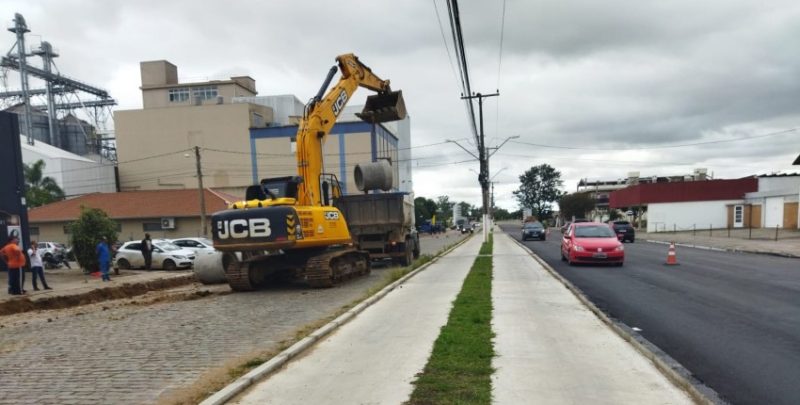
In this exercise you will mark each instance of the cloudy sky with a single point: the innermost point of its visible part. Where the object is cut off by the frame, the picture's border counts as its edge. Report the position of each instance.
(595, 89)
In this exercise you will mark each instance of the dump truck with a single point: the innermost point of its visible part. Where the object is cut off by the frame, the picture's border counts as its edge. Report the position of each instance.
(382, 224)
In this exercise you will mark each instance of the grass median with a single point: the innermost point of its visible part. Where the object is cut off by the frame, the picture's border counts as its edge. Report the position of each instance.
(460, 367)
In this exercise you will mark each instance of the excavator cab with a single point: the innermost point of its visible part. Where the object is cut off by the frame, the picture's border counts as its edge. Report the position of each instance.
(384, 107)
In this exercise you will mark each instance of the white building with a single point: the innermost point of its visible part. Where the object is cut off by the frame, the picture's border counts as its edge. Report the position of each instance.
(76, 175)
(779, 195)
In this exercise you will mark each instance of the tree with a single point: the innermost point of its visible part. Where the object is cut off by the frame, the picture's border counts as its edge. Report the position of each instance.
(576, 204)
(464, 208)
(40, 189)
(85, 234)
(424, 208)
(444, 208)
(539, 188)
(501, 214)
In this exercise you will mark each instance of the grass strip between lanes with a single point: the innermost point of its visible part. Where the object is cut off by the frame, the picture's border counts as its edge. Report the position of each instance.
(460, 368)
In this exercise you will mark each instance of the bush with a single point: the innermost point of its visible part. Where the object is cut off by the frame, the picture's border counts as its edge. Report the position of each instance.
(86, 233)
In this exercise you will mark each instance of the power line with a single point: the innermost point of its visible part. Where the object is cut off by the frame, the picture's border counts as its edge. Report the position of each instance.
(745, 138)
(444, 41)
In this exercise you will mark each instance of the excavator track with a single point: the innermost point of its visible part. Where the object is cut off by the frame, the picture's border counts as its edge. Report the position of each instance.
(238, 273)
(330, 268)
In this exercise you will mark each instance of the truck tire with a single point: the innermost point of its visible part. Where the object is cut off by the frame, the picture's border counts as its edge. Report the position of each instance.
(408, 257)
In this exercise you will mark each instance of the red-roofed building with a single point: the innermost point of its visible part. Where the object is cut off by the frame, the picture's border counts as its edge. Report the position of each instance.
(162, 213)
(685, 205)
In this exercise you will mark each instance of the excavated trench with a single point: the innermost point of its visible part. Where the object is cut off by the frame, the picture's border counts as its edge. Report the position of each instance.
(127, 290)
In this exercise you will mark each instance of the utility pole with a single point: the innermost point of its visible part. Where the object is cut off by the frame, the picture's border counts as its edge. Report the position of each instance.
(483, 156)
(201, 190)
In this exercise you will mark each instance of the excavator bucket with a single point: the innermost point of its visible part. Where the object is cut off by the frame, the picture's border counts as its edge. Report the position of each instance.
(384, 107)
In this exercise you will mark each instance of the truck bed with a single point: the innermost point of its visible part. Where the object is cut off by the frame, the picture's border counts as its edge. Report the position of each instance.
(366, 213)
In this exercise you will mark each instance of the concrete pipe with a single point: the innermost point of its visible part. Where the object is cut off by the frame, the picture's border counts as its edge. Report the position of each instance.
(210, 268)
(374, 176)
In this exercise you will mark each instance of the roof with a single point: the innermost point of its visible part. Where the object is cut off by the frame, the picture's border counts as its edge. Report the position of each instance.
(781, 174)
(684, 191)
(134, 204)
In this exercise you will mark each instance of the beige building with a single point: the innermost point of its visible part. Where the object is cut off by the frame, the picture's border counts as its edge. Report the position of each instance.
(154, 144)
(242, 137)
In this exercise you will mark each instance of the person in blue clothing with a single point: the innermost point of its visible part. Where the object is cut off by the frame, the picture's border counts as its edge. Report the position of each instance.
(104, 257)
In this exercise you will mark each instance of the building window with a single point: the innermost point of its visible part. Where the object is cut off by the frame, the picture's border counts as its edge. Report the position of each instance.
(178, 95)
(738, 216)
(151, 226)
(204, 93)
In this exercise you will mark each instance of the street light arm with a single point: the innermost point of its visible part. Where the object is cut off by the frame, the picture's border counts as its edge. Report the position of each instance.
(465, 149)
(495, 149)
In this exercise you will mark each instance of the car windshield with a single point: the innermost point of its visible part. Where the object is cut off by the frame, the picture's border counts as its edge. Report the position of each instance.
(533, 226)
(167, 246)
(599, 231)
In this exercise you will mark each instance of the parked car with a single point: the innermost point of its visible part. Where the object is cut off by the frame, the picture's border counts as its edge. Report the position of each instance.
(533, 230)
(51, 249)
(624, 230)
(165, 256)
(200, 246)
(591, 242)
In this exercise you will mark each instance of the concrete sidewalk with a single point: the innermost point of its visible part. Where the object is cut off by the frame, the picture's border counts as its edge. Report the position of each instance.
(374, 358)
(551, 349)
(786, 246)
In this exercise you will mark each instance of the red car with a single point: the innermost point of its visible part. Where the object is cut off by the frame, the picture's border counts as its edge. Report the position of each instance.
(591, 242)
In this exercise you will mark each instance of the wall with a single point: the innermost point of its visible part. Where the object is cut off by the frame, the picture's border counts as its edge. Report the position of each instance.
(778, 183)
(684, 215)
(75, 175)
(131, 229)
(143, 135)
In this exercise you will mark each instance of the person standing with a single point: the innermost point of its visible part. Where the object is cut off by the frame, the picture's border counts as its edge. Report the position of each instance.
(15, 260)
(104, 258)
(147, 251)
(37, 267)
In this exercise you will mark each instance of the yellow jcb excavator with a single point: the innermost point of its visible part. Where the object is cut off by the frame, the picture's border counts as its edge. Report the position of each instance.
(288, 226)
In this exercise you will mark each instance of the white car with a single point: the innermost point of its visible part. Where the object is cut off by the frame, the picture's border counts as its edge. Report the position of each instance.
(201, 246)
(165, 256)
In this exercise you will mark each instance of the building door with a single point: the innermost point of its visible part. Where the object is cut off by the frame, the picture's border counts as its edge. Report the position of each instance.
(738, 216)
(773, 215)
(790, 215)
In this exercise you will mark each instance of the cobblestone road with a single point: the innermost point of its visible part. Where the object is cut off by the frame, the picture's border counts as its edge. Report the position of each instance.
(131, 355)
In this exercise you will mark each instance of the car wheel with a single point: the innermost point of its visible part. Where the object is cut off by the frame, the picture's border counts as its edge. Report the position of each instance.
(618, 264)
(569, 261)
(563, 258)
(544, 238)
(123, 264)
(169, 265)
(631, 240)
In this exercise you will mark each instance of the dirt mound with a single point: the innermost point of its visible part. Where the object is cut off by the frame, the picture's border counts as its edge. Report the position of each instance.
(125, 290)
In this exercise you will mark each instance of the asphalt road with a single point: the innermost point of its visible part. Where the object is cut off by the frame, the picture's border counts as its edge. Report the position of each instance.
(732, 319)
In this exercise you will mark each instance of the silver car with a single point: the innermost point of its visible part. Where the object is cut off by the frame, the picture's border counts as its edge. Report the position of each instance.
(165, 256)
(201, 246)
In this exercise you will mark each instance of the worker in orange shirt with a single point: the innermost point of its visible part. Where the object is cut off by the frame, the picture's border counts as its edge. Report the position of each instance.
(15, 260)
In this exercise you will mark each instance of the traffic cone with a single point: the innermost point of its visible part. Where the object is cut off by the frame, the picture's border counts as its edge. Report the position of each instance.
(672, 258)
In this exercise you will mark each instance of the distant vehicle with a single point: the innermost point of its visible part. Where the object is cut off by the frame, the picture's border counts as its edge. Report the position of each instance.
(581, 220)
(533, 230)
(198, 245)
(165, 256)
(51, 249)
(591, 243)
(624, 230)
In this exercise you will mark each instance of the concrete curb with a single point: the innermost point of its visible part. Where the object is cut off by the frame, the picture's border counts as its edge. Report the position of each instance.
(733, 250)
(244, 382)
(669, 367)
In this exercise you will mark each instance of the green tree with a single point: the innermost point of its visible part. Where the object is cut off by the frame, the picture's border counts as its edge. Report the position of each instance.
(444, 208)
(464, 209)
(40, 189)
(576, 204)
(501, 214)
(424, 209)
(539, 189)
(86, 233)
